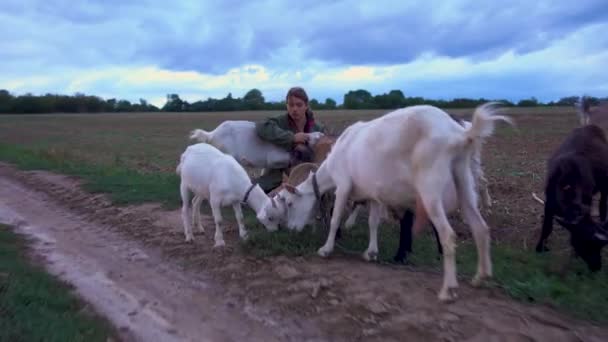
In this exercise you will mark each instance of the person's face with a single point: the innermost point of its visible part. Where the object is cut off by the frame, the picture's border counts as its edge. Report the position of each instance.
(296, 108)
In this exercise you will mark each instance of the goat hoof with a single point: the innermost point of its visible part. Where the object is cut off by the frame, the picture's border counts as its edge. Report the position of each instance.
(370, 255)
(324, 251)
(448, 295)
(219, 243)
(244, 236)
(478, 280)
(400, 257)
(189, 238)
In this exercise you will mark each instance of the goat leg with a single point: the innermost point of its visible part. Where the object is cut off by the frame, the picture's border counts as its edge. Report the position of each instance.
(405, 236)
(546, 230)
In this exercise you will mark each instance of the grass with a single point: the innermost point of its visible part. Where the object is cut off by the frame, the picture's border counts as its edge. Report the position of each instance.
(93, 147)
(124, 186)
(35, 306)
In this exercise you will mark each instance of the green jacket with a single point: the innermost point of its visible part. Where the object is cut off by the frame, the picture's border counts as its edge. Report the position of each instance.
(280, 130)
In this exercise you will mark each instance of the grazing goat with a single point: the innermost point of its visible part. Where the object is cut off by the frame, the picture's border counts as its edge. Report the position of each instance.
(576, 171)
(298, 174)
(389, 161)
(239, 139)
(409, 221)
(219, 178)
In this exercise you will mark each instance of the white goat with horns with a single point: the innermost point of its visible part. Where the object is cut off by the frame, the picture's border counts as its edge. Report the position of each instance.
(411, 152)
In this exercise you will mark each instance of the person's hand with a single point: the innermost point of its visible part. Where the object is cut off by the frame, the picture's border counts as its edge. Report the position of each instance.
(300, 138)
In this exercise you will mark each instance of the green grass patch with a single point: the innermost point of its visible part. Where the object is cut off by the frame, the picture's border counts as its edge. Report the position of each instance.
(35, 306)
(124, 186)
(524, 275)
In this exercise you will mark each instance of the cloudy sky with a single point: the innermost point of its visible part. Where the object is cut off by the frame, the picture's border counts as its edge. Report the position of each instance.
(208, 48)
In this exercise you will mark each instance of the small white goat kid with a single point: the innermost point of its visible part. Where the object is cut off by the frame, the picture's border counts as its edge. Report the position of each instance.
(411, 152)
(219, 178)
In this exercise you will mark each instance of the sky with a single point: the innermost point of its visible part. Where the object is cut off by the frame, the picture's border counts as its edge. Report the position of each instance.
(207, 48)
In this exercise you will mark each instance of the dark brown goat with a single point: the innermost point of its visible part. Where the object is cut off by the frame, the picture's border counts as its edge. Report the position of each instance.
(576, 171)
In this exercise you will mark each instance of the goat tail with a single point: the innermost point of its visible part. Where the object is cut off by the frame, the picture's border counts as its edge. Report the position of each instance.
(201, 135)
(484, 119)
(482, 126)
(205, 137)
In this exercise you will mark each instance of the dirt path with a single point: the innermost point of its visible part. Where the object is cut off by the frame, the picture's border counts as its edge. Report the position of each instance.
(134, 266)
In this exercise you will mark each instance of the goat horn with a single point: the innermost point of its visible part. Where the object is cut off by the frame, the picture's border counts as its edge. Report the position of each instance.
(538, 199)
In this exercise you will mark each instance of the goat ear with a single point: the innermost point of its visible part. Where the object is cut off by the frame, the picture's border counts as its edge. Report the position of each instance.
(292, 189)
(285, 178)
(274, 204)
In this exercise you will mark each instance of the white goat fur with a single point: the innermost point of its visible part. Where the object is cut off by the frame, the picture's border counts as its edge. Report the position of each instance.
(388, 161)
(239, 139)
(481, 183)
(219, 178)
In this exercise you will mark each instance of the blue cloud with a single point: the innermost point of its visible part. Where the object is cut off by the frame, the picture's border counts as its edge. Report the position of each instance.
(216, 36)
(64, 39)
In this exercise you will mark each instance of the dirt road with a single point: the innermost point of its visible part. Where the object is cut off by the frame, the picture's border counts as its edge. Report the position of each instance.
(133, 265)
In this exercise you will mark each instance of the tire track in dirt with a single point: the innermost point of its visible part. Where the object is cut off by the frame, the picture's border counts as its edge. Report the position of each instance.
(339, 299)
(146, 297)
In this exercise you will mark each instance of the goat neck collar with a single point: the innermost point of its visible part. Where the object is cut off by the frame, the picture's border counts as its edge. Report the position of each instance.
(246, 197)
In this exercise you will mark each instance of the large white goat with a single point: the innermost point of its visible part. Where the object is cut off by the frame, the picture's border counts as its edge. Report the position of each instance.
(240, 139)
(213, 175)
(413, 152)
(481, 183)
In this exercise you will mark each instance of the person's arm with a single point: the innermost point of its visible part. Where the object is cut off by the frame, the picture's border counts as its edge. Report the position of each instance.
(270, 131)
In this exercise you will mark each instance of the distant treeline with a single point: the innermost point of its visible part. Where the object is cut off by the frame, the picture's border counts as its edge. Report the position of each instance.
(253, 100)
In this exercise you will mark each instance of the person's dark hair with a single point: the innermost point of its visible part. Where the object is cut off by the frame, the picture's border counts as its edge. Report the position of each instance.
(300, 93)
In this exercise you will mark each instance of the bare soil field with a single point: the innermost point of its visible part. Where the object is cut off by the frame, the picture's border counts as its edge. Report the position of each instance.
(190, 291)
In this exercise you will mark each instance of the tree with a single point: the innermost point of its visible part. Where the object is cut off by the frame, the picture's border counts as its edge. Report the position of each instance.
(254, 100)
(394, 99)
(6, 101)
(174, 103)
(330, 103)
(358, 99)
(531, 102)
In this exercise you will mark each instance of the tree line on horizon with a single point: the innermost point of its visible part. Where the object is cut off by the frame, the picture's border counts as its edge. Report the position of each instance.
(253, 100)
